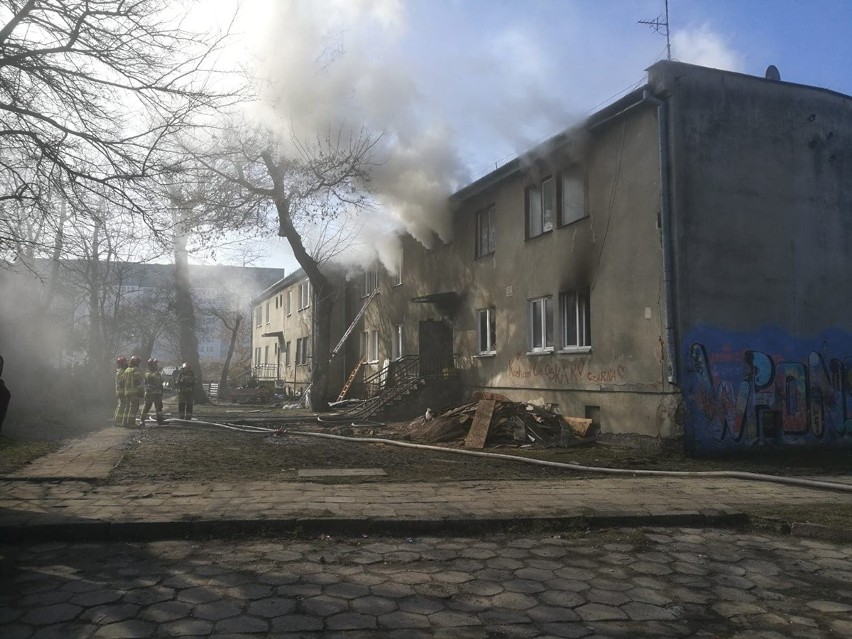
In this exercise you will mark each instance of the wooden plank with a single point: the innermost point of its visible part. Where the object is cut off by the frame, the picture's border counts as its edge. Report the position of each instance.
(579, 425)
(478, 432)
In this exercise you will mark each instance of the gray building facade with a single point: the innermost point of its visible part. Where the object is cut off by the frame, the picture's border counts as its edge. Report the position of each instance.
(675, 266)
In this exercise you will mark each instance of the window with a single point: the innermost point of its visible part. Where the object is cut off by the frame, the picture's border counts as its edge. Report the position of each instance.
(267, 312)
(371, 282)
(573, 196)
(398, 279)
(575, 326)
(266, 354)
(370, 346)
(302, 351)
(486, 331)
(258, 316)
(541, 325)
(289, 303)
(485, 241)
(396, 350)
(541, 204)
(287, 354)
(304, 294)
(257, 356)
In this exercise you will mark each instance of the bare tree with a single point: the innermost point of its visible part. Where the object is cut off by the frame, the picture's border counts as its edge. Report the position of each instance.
(230, 317)
(91, 94)
(314, 183)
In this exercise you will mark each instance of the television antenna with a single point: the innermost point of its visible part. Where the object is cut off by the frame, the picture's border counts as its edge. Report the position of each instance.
(661, 25)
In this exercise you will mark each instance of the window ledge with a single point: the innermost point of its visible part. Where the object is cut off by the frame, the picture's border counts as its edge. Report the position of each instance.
(486, 354)
(575, 350)
(546, 351)
(542, 234)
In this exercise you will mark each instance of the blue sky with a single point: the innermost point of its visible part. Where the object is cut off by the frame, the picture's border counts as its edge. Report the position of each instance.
(462, 86)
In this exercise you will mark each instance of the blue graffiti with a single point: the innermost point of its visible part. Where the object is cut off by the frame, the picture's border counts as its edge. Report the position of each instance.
(746, 397)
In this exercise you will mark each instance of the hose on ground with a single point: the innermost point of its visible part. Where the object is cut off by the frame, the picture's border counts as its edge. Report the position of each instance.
(713, 474)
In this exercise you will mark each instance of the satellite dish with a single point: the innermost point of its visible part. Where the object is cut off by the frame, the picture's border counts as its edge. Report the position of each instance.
(772, 73)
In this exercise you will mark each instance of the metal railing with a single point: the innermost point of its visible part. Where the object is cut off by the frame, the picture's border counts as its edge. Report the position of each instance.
(266, 371)
(391, 382)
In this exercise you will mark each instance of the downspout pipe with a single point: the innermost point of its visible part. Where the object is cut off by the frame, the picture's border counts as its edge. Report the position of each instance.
(665, 231)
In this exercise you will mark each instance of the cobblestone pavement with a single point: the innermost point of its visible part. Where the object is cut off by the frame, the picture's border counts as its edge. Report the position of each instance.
(672, 582)
(94, 511)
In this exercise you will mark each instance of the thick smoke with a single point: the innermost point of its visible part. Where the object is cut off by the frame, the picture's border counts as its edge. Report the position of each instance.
(333, 67)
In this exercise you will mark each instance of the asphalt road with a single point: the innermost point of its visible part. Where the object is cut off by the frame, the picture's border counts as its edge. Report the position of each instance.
(664, 582)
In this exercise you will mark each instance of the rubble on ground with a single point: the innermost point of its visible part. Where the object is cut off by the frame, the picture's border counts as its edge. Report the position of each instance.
(493, 420)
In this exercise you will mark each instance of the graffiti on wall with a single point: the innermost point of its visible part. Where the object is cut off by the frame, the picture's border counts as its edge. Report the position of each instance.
(564, 373)
(746, 397)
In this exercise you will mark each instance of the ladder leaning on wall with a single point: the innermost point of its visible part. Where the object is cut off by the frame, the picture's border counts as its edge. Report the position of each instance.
(350, 379)
(349, 330)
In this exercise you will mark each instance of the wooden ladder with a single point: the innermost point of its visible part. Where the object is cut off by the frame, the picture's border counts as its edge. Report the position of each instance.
(351, 379)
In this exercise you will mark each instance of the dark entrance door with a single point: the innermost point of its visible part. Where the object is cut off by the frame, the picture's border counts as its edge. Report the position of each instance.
(436, 347)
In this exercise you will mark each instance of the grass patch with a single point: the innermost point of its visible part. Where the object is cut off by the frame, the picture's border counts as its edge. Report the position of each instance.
(15, 454)
(831, 515)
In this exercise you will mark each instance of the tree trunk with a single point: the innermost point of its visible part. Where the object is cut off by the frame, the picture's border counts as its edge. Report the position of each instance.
(224, 391)
(185, 311)
(146, 347)
(95, 342)
(322, 302)
(321, 356)
(58, 245)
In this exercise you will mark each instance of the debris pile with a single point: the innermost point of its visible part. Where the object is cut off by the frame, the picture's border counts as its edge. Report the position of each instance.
(493, 420)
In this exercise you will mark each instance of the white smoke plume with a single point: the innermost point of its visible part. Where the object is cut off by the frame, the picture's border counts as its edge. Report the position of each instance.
(334, 66)
(703, 46)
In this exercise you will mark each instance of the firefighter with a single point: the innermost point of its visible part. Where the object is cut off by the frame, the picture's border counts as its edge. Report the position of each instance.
(120, 366)
(5, 395)
(134, 387)
(153, 392)
(185, 383)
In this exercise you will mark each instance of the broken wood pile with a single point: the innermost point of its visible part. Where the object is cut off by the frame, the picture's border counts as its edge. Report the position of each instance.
(494, 420)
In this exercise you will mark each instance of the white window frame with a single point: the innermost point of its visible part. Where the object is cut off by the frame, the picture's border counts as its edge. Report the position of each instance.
(540, 320)
(486, 338)
(289, 302)
(370, 282)
(572, 196)
(302, 351)
(370, 346)
(258, 315)
(287, 354)
(267, 312)
(257, 356)
(304, 295)
(486, 236)
(575, 321)
(398, 279)
(540, 210)
(396, 347)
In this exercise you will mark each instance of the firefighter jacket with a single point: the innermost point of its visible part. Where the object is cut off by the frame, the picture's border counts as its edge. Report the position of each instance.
(153, 383)
(185, 382)
(134, 384)
(119, 382)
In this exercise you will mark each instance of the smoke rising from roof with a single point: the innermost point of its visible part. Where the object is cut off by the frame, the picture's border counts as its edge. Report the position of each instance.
(333, 68)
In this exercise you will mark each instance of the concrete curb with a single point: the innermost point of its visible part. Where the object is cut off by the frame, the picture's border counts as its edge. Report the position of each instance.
(199, 529)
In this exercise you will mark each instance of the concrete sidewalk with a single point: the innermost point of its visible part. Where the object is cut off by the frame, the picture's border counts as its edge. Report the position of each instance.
(68, 508)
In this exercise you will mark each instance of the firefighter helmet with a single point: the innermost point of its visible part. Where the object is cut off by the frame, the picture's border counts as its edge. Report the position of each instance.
(152, 364)
(121, 361)
(186, 366)
(134, 361)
